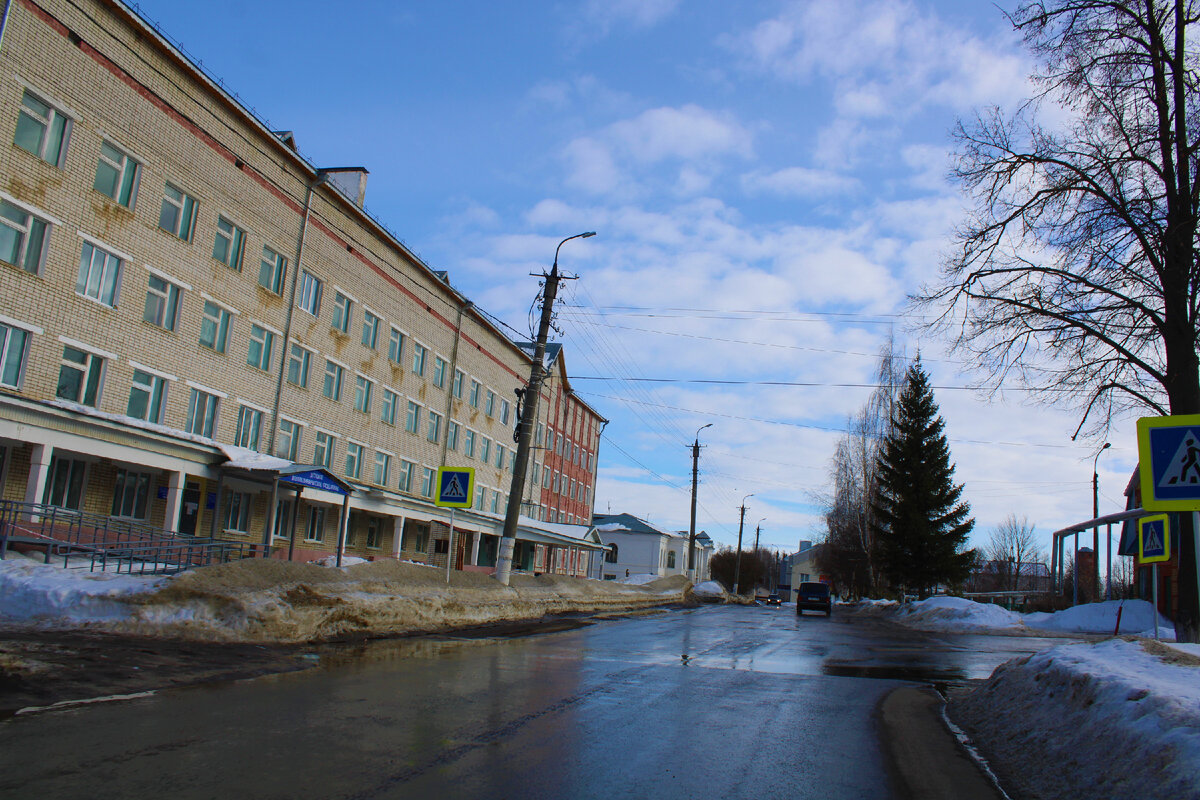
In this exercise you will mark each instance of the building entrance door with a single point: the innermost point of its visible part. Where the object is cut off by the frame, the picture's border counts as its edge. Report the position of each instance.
(189, 514)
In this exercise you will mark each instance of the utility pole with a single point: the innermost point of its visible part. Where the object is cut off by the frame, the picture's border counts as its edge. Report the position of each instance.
(1095, 514)
(691, 565)
(737, 565)
(757, 531)
(528, 419)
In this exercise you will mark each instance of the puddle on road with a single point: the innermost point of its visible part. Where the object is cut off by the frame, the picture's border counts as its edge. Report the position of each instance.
(895, 672)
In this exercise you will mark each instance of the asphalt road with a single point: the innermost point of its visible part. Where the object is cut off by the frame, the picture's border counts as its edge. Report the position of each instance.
(720, 702)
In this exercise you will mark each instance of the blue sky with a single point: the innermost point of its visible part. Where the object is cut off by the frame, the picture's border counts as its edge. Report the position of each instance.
(768, 184)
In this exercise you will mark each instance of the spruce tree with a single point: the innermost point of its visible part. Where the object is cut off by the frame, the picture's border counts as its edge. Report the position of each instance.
(922, 525)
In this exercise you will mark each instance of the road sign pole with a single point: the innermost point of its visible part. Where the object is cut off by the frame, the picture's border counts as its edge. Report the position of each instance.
(450, 545)
(1155, 595)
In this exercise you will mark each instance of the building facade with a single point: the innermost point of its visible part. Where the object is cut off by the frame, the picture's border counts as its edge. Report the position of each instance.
(181, 291)
(635, 547)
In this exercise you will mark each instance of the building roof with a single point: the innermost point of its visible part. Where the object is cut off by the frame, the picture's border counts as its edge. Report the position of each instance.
(625, 523)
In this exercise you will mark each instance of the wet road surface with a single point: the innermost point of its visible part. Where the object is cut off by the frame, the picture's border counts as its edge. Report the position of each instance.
(713, 702)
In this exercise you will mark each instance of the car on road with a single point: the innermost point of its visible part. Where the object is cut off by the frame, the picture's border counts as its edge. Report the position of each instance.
(814, 596)
(773, 600)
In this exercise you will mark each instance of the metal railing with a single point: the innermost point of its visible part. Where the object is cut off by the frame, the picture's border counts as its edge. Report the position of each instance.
(97, 542)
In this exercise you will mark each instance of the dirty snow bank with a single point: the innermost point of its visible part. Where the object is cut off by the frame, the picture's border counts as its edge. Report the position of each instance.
(266, 600)
(954, 613)
(1114, 719)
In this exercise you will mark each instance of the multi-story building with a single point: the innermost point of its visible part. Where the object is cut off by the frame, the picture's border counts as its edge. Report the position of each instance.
(635, 547)
(202, 330)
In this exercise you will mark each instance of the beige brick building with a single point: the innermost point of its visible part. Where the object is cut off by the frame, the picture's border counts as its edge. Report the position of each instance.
(181, 291)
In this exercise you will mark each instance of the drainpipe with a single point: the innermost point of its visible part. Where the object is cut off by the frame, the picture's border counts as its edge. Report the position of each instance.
(317, 180)
(4, 20)
(453, 368)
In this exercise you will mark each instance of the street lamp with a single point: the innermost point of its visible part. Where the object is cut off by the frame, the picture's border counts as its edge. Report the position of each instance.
(691, 565)
(737, 565)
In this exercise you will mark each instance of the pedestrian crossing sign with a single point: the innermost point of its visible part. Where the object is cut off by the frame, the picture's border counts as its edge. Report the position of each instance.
(1154, 539)
(455, 487)
(1169, 462)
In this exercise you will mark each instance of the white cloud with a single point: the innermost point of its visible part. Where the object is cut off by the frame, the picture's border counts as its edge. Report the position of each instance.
(638, 14)
(591, 166)
(799, 182)
(688, 132)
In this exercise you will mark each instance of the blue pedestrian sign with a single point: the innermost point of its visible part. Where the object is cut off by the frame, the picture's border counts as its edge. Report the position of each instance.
(1169, 462)
(455, 487)
(1154, 539)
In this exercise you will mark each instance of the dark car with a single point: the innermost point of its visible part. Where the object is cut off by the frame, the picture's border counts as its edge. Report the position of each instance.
(773, 600)
(814, 597)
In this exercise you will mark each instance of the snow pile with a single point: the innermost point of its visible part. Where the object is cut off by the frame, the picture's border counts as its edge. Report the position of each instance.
(955, 613)
(1092, 720)
(31, 590)
(331, 561)
(638, 580)
(709, 590)
(1137, 617)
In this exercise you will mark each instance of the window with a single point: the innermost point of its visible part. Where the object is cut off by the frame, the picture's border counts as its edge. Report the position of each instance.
(79, 376)
(671, 559)
(117, 175)
(262, 341)
(546, 478)
(314, 528)
(287, 443)
(416, 536)
(202, 413)
(452, 435)
(342, 308)
(298, 360)
(229, 243)
(456, 388)
(146, 396)
(512, 460)
(473, 398)
(12, 355)
(395, 346)
(537, 473)
(42, 129)
(412, 422)
(249, 427)
(362, 394)
(323, 450)
(435, 427)
(388, 406)
(504, 408)
(283, 516)
(354, 457)
(162, 303)
(237, 512)
(427, 482)
(499, 456)
(406, 474)
(419, 353)
(539, 435)
(214, 326)
(309, 297)
(22, 238)
(479, 495)
(439, 372)
(383, 465)
(469, 443)
(65, 483)
(495, 505)
(333, 380)
(485, 448)
(370, 330)
(130, 493)
(178, 214)
(374, 531)
(489, 407)
(270, 272)
(99, 272)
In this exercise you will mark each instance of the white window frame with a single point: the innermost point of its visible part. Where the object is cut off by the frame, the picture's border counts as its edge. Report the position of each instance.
(434, 427)
(155, 391)
(343, 311)
(272, 268)
(370, 328)
(185, 209)
(204, 424)
(48, 121)
(355, 452)
(34, 230)
(264, 338)
(292, 435)
(388, 404)
(304, 361)
(396, 339)
(129, 174)
(364, 388)
(107, 290)
(339, 375)
(440, 365)
(324, 447)
(383, 467)
(420, 355)
(235, 243)
(308, 298)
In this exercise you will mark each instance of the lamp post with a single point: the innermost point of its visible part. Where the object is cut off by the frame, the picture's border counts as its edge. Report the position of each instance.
(529, 418)
(1095, 514)
(737, 564)
(691, 565)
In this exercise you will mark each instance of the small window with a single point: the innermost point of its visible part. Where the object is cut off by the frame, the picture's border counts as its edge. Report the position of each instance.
(427, 482)
(433, 433)
(262, 342)
(456, 388)
(354, 458)
(248, 428)
(473, 398)
(65, 483)
(117, 175)
(131, 492)
(452, 435)
(22, 238)
(370, 329)
(42, 129)
(99, 275)
(237, 512)
(412, 421)
(495, 505)
(214, 326)
(480, 492)
(485, 448)
(388, 406)
(334, 375)
(202, 413)
(310, 293)
(147, 396)
(270, 272)
(229, 244)
(374, 532)
(504, 409)
(406, 475)
(383, 466)
(499, 456)
(469, 443)
(323, 450)
(314, 527)
(419, 354)
(363, 388)
(343, 308)
(79, 376)
(162, 303)
(178, 214)
(298, 361)
(537, 473)
(13, 342)
(439, 372)
(287, 443)
(489, 406)
(395, 346)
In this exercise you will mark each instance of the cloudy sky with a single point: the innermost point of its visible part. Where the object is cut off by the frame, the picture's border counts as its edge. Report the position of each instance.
(768, 184)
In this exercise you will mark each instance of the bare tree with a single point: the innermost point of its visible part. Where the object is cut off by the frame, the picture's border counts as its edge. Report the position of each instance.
(1013, 549)
(1076, 272)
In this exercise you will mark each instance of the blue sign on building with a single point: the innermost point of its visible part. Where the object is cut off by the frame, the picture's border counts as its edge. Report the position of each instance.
(314, 479)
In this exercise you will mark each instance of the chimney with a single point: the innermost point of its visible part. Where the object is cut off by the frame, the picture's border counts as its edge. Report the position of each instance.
(350, 181)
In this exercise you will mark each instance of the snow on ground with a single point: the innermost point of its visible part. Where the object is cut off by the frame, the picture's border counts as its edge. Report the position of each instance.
(1137, 617)
(709, 589)
(31, 590)
(638, 580)
(954, 613)
(331, 561)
